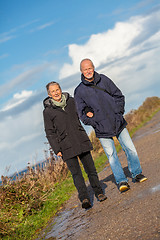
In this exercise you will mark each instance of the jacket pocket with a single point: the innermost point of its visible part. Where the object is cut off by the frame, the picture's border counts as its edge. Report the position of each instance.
(99, 126)
(105, 126)
(64, 141)
(82, 135)
(119, 121)
(62, 136)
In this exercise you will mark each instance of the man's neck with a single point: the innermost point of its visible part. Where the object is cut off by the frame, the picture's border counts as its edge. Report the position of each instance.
(89, 80)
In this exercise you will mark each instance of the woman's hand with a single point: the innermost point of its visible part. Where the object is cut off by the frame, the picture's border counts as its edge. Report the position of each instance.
(59, 154)
(89, 114)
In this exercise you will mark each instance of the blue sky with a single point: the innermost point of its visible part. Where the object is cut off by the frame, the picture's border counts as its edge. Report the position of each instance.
(41, 41)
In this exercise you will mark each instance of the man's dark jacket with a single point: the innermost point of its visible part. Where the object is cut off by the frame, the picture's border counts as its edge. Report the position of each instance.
(108, 108)
(64, 130)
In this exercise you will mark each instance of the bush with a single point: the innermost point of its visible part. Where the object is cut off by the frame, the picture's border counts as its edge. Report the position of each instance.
(26, 195)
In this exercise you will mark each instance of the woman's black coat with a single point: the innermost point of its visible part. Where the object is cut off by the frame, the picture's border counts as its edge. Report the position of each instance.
(64, 130)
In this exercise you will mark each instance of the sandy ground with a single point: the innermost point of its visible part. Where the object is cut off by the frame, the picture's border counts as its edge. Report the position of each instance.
(133, 215)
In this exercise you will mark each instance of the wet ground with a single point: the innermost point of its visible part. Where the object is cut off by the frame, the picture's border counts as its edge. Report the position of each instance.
(134, 214)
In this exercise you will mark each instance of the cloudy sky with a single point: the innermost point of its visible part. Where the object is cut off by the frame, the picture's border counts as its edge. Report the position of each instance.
(41, 41)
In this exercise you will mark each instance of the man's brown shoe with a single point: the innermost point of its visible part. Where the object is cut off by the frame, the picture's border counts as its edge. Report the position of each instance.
(86, 203)
(101, 197)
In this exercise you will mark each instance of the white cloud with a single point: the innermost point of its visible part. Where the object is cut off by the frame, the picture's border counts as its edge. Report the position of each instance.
(21, 137)
(5, 55)
(24, 94)
(6, 36)
(21, 103)
(21, 124)
(41, 27)
(137, 77)
(25, 139)
(18, 98)
(124, 40)
(27, 77)
(45, 25)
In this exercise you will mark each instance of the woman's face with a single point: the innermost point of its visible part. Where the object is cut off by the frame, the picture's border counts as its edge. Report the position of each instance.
(55, 92)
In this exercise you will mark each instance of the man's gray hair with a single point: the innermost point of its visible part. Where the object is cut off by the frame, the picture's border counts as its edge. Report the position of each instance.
(52, 84)
(85, 60)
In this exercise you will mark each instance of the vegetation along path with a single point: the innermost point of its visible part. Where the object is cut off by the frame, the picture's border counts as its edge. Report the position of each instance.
(132, 215)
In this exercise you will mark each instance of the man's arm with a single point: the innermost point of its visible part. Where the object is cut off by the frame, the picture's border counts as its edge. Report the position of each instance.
(117, 95)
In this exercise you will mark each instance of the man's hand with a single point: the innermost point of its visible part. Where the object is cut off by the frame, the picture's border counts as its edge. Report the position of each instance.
(59, 154)
(89, 114)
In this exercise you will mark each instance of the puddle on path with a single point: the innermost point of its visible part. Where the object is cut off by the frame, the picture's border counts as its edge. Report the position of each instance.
(66, 224)
(71, 221)
(155, 189)
(152, 130)
(149, 191)
(143, 194)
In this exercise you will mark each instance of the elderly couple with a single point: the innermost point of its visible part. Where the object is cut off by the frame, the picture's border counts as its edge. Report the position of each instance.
(97, 102)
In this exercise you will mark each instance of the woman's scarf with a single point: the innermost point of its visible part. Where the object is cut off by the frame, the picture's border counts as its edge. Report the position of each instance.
(62, 103)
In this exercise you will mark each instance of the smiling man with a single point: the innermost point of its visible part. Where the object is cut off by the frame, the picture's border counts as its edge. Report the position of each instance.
(100, 103)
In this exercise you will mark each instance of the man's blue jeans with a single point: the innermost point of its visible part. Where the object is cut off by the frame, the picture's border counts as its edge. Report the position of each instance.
(131, 154)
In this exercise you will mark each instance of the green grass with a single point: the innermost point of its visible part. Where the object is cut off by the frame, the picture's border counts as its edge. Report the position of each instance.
(33, 224)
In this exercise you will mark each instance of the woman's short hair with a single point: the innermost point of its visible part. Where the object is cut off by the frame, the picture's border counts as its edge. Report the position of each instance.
(52, 83)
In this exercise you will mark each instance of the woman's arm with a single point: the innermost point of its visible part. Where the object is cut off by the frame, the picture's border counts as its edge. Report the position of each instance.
(51, 133)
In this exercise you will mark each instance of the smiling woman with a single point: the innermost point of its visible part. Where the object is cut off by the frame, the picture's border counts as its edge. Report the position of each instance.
(54, 91)
(69, 140)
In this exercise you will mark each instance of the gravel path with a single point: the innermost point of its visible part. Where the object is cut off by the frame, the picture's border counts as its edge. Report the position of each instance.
(133, 215)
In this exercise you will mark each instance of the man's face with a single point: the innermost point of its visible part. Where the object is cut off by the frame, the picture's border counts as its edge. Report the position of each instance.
(55, 92)
(88, 70)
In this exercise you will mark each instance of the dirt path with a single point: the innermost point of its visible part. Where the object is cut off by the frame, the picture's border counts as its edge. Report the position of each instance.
(133, 215)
